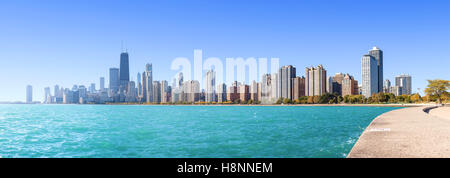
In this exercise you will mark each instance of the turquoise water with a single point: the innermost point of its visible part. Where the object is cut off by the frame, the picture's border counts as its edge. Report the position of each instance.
(181, 131)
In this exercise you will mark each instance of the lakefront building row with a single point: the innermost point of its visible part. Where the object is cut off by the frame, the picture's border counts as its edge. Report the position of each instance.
(281, 84)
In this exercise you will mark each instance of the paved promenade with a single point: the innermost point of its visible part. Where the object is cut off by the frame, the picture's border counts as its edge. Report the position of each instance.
(406, 133)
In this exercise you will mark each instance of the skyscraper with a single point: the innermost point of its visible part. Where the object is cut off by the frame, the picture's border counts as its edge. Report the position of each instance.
(349, 85)
(221, 93)
(165, 93)
(210, 83)
(315, 81)
(254, 90)
(131, 93)
(369, 72)
(329, 85)
(266, 88)
(396, 90)
(244, 92)
(285, 76)
(275, 94)
(233, 92)
(82, 92)
(337, 83)
(124, 70)
(298, 87)
(180, 79)
(378, 55)
(29, 94)
(47, 95)
(56, 91)
(404, 81)
(156, 92)
(147, 84)
(114, 81)
(102, 83)
(58, 95)
(387, 86)
(139, 85)
(92, 88)
(191, 90)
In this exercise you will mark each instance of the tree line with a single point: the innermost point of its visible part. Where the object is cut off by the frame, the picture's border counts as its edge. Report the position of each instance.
(436, 91)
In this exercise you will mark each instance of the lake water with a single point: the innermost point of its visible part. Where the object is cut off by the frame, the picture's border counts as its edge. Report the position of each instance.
(181, 131)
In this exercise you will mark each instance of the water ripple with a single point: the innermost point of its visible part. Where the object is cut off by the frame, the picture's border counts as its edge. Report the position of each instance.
(180, 131)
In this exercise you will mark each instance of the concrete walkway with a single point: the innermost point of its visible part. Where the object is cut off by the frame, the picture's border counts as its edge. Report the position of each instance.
(406, 133)
(442, 112)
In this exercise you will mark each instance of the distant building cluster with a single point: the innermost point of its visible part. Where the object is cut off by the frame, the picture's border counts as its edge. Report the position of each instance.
(402, 85)
(372, 77)
(281, 84)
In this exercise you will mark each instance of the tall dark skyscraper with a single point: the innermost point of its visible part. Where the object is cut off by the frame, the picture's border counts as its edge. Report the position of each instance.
(378, 55)
(124, 70)
(285, 75)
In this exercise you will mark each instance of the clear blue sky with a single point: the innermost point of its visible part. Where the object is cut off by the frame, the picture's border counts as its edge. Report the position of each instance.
(48, 42)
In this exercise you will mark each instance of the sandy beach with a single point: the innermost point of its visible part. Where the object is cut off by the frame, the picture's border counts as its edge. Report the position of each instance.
(406, 133)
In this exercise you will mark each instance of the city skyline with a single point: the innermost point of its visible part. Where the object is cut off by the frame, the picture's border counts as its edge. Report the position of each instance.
(280, 83)
(414, 40)
(315, 82)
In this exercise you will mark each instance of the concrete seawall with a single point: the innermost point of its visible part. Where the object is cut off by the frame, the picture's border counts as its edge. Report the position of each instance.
(406, 133)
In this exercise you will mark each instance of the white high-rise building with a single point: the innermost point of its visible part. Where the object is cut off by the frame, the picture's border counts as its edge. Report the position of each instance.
(132, 92)
(147, 84)
(210, 83)
(221, 93)
(139, 86)
(315, 81)
(369, 71)
(254, 91)
(191, 91)
(275, 87)
(387, 86)
(47, 95)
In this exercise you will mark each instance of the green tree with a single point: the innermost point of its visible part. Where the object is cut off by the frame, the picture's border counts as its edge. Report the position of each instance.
(325, 98)
(279, 101)
(303, 100)
(287, 101)
(310, 100)
(339, 99)
(347, 99)
(316, 99)
(237, 101)
(437, 88)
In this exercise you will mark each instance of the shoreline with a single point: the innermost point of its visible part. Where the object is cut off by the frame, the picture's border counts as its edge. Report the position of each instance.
(405, 133)
(279, 105)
